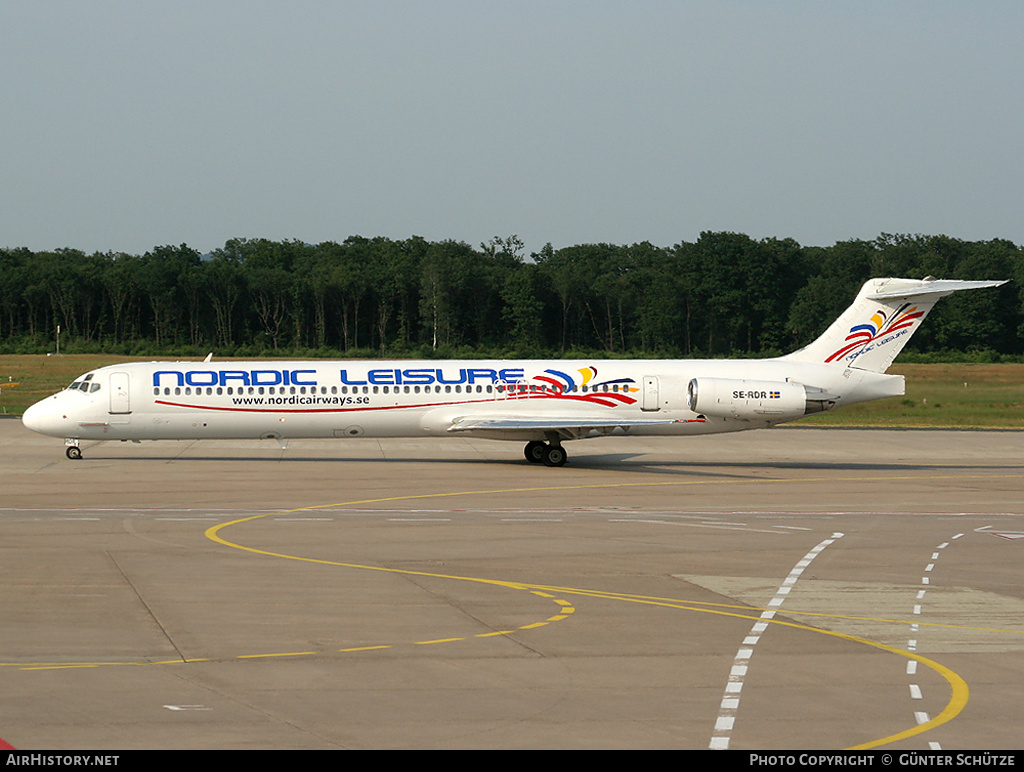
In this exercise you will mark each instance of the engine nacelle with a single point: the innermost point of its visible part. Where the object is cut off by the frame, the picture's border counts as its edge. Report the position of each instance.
(754, 400)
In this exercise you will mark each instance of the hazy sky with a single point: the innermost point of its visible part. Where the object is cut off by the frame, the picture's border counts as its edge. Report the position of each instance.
(124, 125)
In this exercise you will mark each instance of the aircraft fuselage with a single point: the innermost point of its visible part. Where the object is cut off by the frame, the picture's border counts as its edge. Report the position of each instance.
(302, 399)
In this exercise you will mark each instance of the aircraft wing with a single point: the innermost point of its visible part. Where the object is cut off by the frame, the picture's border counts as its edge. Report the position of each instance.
(567, 427)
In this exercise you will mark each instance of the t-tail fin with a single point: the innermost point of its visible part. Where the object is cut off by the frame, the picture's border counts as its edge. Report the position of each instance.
(872, 331)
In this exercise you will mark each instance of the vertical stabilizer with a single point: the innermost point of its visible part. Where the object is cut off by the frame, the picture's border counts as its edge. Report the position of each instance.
(886, 312)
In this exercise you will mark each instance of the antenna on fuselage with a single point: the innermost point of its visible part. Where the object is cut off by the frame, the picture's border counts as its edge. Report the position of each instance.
(209, 357)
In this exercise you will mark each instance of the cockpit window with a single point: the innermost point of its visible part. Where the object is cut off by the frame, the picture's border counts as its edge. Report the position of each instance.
(85, 384)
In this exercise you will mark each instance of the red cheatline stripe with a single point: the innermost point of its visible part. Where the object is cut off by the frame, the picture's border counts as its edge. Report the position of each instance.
(557, 384)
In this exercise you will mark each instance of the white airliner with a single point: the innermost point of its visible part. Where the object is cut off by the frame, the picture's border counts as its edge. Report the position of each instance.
(543, 403)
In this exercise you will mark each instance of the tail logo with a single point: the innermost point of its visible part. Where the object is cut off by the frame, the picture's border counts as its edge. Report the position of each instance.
(862, 335)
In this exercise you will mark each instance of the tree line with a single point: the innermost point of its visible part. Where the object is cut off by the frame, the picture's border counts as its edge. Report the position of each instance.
(724, 293)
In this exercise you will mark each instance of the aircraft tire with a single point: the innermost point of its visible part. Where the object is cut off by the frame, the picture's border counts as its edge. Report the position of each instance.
(555, 455)
(534, 452)
(74, 452)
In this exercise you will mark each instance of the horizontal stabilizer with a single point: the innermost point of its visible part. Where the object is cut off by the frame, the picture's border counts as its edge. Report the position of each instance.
(906, 288)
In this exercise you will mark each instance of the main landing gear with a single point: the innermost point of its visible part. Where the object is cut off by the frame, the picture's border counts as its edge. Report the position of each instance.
(544, 453)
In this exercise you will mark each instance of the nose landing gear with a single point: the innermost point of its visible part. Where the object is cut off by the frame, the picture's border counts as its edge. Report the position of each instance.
(73, 451)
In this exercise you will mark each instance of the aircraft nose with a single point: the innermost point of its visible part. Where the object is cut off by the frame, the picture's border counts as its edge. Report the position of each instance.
(41, 417)
(32, 417)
